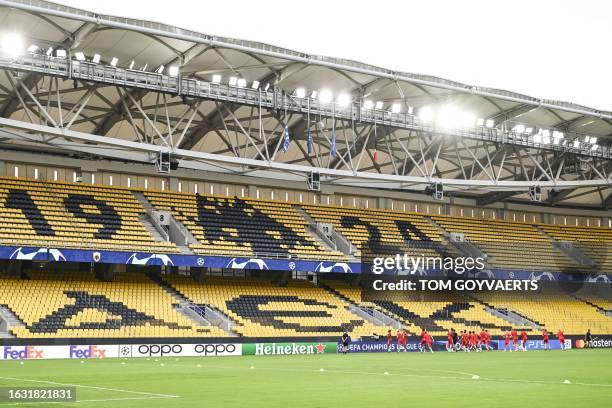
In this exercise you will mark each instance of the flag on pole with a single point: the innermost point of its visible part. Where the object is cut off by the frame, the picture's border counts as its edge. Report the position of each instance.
(333, 143)
(310, 142)
(286, 139)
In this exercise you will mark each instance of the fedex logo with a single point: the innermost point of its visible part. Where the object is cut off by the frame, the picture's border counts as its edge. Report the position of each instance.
(87, 352)
(22, 353)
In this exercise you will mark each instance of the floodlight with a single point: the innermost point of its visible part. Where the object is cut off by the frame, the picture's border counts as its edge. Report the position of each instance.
(396, 108)
(300, 92)
(61, 53)
(537, 138)
(81, 57)
(519, 129)
(344, 100)
(160, 69)
(233, 81)
(96, 58)
(368, 104)
(114, 62)
(480, 122)
(558, 135)
(216, 78)
(32, 48)
(12, 45)
(132, 64)
(314, 94)
(267, 87)
(593, 140)
(528, 130)
(173, 71)
(426, 114)
(468, 120)
(587, 139)
(255, 85)
(242, 83)
(576, 143)
(49, 51)
(410, 110)
(379, 105)
(490, 123)
(325, 96)
(594, 147)
(449, 117)
(145, 67)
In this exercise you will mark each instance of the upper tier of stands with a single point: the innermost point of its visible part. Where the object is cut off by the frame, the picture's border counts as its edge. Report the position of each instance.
(244, 227)
(382, 231)
(69, 215)
(75, 215)
(508, 244)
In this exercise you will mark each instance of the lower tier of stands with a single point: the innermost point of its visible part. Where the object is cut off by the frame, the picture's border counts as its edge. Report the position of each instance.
(52, 304)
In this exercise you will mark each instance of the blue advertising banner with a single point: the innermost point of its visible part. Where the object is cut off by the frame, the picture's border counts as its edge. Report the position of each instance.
(149, 259)
(381, 346)
(537, 344)
(228, 262)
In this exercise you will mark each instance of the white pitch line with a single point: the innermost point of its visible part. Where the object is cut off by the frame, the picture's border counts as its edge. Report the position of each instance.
(93, 387)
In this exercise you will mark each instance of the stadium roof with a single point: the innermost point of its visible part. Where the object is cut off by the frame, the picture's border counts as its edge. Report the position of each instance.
(516, 146)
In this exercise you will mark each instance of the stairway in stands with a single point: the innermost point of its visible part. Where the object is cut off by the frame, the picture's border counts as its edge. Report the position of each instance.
(201, 314)
(9, 319)
(375, 316)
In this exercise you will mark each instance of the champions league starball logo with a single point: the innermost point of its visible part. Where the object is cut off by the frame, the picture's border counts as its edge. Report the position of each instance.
(542, 276)
(341, 267)
(253, 263)
(601, 278)
(42, 254)
(151, 259)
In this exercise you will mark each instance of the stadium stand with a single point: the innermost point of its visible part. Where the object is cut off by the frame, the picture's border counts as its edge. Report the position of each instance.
(262, 309)
(594, 242)
(55, 304)
(509, 244)
(70, 215)
(436, 314)
(243, 227)
(552, 310)
(381, 231)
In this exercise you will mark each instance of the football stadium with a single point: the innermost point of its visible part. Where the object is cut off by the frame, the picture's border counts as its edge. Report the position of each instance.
(189, 220)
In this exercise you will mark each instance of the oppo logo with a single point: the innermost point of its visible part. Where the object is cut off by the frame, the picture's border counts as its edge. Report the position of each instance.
(159, 349)
(214, 349)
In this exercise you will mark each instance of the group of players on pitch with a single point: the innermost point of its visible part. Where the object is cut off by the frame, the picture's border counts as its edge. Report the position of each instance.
(471, 341)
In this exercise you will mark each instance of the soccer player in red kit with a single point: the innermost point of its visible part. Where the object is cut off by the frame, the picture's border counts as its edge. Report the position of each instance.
(429, 341)
(507, 342)
(561, 338)
(464, 340)
(545, 339)
(400, 340)
(449, 341)
(389, 340)
(524, 338)
(488, 340)
(515, 342)
(483, 340)
(405, 337)
(422, 341)
(472, 341)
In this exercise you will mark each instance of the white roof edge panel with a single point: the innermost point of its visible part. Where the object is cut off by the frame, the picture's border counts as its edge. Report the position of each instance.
(165, 30)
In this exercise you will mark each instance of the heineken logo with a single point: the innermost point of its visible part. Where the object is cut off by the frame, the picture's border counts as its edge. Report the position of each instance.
(272, 349)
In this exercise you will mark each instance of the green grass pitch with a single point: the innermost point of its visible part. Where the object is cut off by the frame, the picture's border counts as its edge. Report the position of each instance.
(494, 379)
